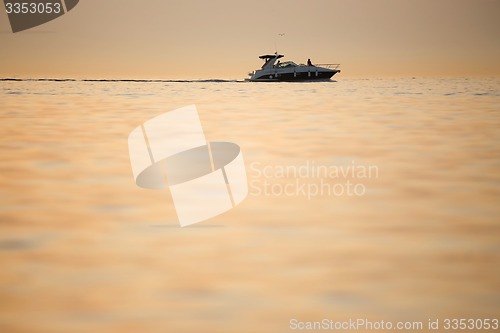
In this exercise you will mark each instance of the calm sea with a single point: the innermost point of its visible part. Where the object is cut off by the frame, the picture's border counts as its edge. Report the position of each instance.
(83, 249)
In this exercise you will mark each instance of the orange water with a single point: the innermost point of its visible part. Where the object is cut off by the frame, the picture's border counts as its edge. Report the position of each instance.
(83, 249)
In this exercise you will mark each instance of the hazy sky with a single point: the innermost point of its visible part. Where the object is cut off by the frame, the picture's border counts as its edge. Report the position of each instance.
(223, 38)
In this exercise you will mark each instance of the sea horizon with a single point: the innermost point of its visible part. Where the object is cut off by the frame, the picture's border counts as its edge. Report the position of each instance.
(336, 78)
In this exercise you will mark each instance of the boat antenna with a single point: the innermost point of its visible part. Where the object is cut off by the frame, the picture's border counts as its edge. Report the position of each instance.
(275, 43)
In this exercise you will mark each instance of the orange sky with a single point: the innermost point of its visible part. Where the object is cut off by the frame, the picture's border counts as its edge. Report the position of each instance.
(223, 38)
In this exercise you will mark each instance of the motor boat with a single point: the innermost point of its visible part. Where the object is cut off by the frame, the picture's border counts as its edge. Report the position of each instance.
(275, 70)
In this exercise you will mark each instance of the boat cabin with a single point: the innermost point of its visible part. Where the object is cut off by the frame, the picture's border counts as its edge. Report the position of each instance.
(269, 60)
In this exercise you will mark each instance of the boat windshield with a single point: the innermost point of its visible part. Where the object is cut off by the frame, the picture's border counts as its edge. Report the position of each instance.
(287, 64)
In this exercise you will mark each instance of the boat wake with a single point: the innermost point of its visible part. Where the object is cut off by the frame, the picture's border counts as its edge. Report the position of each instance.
(120, 80)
